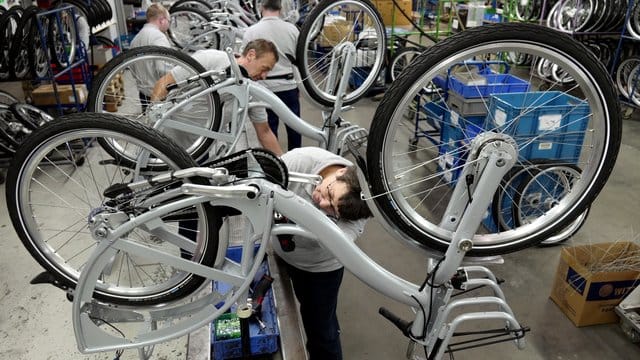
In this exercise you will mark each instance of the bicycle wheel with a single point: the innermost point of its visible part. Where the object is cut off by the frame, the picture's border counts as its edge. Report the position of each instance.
(509, 195)
(8, 27)
(575, 124)
(197, 4)
(191, 29)
(633, 23)
(49, 196)
(402, 60)
(21, 54)
(62, 37)
(120, 86)
(623, 72)
(29, 115)
(330, 24)
(7, 99)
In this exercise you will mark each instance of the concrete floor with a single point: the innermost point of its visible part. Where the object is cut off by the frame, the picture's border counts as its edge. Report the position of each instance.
(35, 320)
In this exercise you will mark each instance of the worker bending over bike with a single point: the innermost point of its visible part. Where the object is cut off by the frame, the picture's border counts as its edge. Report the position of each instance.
(257, 58)
(315, 273)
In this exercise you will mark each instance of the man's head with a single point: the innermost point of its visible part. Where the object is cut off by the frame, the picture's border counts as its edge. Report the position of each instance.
(271, 6)
(339, 195)
(159, 15)
(258, 58)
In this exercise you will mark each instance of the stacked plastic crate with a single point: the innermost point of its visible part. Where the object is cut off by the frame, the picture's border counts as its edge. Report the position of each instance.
(549, 127)
(467, 95)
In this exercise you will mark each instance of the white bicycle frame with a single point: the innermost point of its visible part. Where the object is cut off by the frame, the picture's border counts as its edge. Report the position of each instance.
(248, 93)
(492, 156)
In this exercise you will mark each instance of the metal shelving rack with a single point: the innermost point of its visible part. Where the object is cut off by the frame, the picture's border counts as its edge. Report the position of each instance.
(79, 62)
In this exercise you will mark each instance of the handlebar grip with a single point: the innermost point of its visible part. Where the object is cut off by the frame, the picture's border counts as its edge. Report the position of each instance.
(403, 325)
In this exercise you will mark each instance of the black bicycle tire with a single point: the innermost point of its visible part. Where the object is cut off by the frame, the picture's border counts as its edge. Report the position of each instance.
(443, 50)
(398, 54)
(634, 21)
(95, 104)
(180, 3)
(519, 192)
(6, 39)
(23, 113)
(301, 50)
(175, 9)
(5, 136)
(112, 123)
(552, 240)
(53, 37)
(23, 33)
(5, 95)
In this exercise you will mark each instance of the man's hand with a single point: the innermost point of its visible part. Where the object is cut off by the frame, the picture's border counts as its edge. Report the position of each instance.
(266, 137)
(160, 88)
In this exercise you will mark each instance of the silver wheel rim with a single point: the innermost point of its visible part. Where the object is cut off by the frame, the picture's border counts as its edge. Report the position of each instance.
(62, 237)
(320, 48)
(398, 163)
(199, 112)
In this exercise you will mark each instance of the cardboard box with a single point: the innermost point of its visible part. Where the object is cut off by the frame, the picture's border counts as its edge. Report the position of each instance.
(588, 283)
(45, 94)
(391, 15)
(335, 32)
(101, 55)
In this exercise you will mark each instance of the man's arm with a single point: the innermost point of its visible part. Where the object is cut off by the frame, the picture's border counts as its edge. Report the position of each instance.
(160, 88)
(266, 137)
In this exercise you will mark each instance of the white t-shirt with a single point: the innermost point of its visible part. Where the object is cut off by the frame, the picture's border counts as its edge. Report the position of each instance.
(212, 59)
(285, 36)
(309, 255)
(149, 72)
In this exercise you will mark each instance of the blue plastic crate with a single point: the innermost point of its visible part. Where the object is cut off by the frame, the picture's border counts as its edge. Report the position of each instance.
(495, 84)
(463, 128)
(358, 75)
(262, 341)
(433, 112)
(546, 125)
(456, 135)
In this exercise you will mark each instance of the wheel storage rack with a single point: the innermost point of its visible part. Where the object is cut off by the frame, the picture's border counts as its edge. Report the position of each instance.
(66, 74)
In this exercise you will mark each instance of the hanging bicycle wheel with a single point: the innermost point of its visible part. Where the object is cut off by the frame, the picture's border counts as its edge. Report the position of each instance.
(191, 29)
(633, 85)
(124, 85)
(576, 124)
(62, 37)
(61, 174)
(633, 23)
(328, 26)
(623, 72)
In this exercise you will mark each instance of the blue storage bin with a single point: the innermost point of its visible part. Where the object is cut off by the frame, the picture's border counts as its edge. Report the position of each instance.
(456, 135)
(434, 113)
(262, 341)
(495, 83)
(358, 75)
(557, 121)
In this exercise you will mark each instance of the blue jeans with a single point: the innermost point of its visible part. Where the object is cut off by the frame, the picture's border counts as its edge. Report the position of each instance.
(291, 98)
(318, 297)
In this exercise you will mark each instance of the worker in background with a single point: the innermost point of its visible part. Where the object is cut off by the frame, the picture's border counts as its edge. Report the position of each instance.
(280, 80)
(315, 273)
(257, 58)
(153, 33)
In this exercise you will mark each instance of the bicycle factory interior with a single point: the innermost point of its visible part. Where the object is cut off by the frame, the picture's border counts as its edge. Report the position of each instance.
(320, 179)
